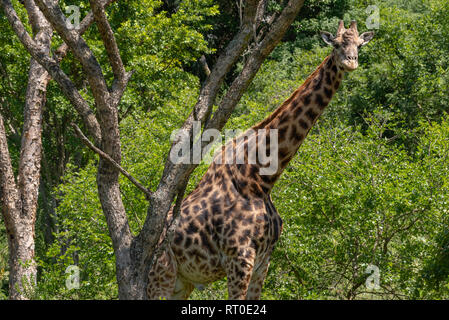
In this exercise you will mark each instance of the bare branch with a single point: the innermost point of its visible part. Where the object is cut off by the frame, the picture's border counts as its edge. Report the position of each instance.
(107, 174)
(212, 84)
(259, 18)
(109, 40)
(105, 156)
(261, 11)
(121, 77)
(204, 65)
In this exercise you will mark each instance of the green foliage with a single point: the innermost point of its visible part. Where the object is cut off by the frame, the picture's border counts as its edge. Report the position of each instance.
(435, 150)
(158, 45)
(405, 68)
(354, 201)
(82, 239)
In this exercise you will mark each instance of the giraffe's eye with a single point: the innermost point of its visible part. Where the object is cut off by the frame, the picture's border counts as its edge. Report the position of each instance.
(336, 45)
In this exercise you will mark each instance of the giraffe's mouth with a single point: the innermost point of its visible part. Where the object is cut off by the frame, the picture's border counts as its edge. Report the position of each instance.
(350, 65)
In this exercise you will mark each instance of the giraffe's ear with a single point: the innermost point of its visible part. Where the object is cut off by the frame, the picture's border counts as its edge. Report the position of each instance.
(327, 37)
(366, 37)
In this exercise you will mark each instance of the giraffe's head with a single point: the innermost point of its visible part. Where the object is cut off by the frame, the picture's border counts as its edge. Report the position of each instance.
(347, 43)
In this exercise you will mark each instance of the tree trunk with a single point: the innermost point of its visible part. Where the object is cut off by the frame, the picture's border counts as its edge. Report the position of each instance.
(22, 266)
(19, 228)
(19, 201)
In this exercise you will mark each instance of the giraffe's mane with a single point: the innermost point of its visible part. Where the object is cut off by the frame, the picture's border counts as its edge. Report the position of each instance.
(276, 112)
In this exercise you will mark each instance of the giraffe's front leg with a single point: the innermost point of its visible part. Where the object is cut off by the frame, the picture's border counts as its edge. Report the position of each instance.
(239, 270)
(257, 279)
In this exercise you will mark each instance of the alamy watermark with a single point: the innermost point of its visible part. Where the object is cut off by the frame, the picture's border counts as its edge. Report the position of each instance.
(250, 147)
(373, 280)
(73, 20)
(73, 279)
(373, 20)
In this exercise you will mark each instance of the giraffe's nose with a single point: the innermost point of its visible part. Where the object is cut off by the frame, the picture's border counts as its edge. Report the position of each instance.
(350, 63)
(353, 58)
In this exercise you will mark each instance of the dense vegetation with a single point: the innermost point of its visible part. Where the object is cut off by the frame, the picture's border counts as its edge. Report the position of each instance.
(369, 186)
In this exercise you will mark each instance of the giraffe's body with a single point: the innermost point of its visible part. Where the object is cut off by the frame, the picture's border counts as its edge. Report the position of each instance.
(228, 225)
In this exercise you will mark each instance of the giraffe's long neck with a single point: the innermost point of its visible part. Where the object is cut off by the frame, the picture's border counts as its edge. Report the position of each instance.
(297, 115)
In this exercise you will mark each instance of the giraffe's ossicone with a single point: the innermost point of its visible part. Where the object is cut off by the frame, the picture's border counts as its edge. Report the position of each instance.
(228, 225)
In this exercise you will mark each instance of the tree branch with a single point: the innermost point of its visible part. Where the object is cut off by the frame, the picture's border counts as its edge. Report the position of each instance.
(105, 156)
(109, 40)
(54, 70)
(204, 65)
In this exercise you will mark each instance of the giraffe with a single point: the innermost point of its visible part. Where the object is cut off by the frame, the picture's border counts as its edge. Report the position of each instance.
(228, 225)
